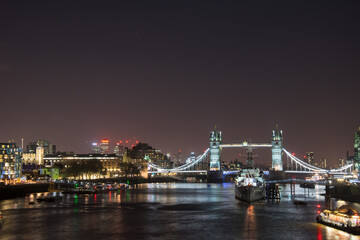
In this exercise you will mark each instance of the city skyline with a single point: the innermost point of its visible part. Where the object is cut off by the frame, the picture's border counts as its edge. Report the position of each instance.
(168, 72)
(228, 155)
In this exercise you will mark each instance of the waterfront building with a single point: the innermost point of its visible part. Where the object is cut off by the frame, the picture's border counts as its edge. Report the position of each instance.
(10, 161)
(110, 162)
(138, 152)
(235, 165)
(29, 158)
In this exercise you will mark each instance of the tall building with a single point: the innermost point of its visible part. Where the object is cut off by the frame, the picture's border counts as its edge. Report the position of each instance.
(323, 163)
(10, 161)
(309, 158)
(191, 158)
(48, 147)
(177, 158)
(103, 147)
(357, 149)
(119, 149)
(341, 162)
(95, 148)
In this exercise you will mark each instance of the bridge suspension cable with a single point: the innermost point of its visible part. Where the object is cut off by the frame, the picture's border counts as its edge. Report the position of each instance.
(313, 168)
(303, 164)
(182, 167)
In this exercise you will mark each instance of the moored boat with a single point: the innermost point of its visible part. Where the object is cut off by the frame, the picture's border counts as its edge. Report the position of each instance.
(249, 186)
(344, 218)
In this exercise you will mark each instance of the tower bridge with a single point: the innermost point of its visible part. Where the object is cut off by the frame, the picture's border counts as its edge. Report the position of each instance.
(213, 155)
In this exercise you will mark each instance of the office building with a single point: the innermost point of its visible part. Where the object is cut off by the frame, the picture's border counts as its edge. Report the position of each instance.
(10, 161)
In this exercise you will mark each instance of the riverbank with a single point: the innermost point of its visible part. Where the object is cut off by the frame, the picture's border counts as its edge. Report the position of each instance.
(21, 190)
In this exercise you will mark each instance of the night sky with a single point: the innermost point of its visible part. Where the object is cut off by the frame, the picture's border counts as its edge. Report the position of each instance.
(166, 72)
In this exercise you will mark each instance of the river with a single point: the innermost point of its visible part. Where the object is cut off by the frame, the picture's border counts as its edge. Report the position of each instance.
(168, 211)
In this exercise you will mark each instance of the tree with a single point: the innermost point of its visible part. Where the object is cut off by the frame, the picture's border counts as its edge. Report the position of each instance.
(93, 166)
(130, 169)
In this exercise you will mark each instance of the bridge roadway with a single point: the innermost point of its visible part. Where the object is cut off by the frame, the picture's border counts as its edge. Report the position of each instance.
(165, 171)
(245, 144)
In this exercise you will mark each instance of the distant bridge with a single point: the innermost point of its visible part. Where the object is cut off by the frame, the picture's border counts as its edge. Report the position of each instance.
(294, 164)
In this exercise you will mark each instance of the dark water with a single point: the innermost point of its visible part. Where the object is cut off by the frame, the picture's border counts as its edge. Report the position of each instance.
(168, 211)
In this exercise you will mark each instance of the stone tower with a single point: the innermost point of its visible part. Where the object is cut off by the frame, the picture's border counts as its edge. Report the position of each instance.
(276, 149)
(215, 151)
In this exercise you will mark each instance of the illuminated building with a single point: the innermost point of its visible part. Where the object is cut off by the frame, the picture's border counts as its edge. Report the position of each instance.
(138, 152)
(119, 149)
(102, 147)
(48, 147)
(29, 158)
(323, 163)
(35, 152)
(357, 149)
(10, 161)
(177, 158)
(110, 162)
(341, 162)
(309, 158)
(236, 165)
(191, 158)
(276, 149)
(95, 148)
(215, 151)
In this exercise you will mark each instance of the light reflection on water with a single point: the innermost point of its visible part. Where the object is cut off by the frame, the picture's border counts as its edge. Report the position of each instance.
(169, 211)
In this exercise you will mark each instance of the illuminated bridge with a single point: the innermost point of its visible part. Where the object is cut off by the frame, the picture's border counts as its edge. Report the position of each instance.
(213, 156)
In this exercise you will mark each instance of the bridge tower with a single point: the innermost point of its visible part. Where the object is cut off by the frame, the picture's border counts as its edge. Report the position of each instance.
(357, 150)
(215, 151)
(276, 149)
(215, 174)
